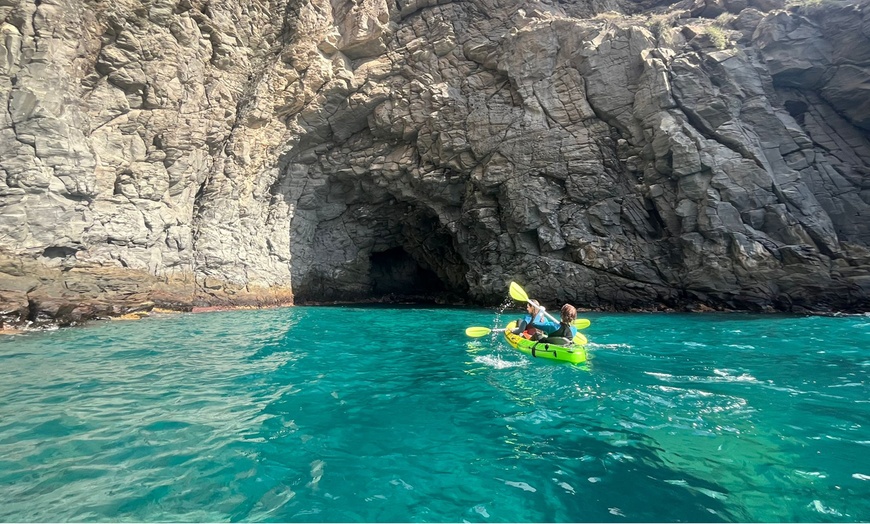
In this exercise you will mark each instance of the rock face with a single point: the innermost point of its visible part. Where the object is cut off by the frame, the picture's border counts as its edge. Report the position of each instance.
(609, 153)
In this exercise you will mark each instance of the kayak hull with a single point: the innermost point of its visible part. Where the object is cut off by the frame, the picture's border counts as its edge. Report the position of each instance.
(573, 354)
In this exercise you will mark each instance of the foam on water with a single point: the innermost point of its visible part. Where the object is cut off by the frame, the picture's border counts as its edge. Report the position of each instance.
(496, 362)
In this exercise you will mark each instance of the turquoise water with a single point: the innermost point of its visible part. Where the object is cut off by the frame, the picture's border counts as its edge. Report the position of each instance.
(379, 415)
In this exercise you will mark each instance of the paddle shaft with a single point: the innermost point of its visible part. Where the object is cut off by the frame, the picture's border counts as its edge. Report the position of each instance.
(518, 293)
(544, 311)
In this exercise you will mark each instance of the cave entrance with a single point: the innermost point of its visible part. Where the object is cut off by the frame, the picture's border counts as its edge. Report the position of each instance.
(394, 272)
(797, 109)
(384, 252)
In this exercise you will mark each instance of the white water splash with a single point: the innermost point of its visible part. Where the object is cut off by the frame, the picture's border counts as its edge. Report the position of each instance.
(480, 509)
(400, 482)
(726, 376)
(316, 473)
(496, 362)
(811, 474)
(821, 508)
(567, 487)
(709, 492)
(720, 375)
(593, 345)
(712, 494)
(522, 485)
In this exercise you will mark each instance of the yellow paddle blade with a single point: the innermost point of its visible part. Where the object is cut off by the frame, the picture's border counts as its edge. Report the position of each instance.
(477, 331)
(581, 323)
(518, 293)
(580, 340)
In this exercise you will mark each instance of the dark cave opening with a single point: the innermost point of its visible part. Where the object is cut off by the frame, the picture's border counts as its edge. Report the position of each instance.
(394, 255)
(395, 273)
(354, 244)
(797, 110)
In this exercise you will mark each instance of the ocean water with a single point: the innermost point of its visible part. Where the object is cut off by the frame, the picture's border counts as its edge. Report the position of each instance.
(348, 414)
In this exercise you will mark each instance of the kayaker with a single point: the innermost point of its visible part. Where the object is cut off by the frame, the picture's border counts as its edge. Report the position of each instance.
(535, 325)
(565, 333)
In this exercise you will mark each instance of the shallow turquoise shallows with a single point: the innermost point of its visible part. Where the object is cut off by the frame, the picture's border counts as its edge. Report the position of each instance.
(328, 414)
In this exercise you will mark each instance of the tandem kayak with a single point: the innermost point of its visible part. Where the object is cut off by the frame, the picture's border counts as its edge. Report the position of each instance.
(572, 354)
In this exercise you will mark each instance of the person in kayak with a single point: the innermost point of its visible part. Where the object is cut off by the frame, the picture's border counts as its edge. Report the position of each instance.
(535, 325)
(565, 333)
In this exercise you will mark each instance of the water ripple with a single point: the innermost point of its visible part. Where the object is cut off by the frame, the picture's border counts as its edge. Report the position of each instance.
(249, 416)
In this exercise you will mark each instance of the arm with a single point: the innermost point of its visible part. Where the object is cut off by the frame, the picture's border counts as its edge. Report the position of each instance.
(544, 322)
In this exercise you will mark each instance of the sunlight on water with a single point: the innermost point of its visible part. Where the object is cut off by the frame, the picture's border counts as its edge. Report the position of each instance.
(351, 414)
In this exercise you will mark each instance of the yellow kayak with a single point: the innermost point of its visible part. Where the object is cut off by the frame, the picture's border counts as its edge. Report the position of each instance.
(573, 354)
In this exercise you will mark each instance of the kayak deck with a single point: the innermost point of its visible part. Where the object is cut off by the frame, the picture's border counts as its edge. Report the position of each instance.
(572, 354)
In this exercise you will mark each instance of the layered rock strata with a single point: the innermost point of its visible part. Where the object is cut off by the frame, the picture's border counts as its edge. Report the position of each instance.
(609, 153)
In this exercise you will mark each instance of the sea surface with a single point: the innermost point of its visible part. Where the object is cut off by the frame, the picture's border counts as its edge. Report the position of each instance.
(355, 414)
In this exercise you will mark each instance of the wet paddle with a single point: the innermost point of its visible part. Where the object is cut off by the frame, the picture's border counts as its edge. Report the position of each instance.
(581, 323)
(479, 331)
(519, 294)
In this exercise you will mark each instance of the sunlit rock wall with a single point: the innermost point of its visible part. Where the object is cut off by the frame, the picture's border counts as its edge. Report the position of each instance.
(610, 153)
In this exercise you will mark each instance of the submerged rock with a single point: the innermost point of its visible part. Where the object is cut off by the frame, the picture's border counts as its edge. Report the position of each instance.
(609, 153)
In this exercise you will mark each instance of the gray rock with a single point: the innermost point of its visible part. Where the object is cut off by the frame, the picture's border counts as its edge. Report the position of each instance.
(181, 155)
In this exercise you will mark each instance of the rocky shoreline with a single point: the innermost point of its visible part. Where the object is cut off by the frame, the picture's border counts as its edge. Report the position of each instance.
(19, 328)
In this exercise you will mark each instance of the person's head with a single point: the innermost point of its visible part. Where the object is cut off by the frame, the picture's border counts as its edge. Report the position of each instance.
(531, 307)
(569, 313)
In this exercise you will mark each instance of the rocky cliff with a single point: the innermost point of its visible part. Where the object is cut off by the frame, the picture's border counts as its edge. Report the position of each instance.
(615, 154)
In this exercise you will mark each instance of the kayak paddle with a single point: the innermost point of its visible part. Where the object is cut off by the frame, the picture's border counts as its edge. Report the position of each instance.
(519, 294)
(480, 331)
